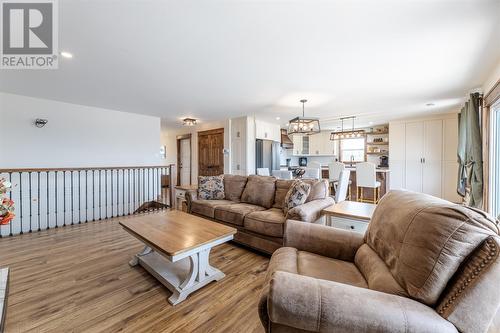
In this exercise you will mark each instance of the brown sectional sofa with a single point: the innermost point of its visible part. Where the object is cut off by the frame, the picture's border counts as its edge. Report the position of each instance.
(254, 205)
(424, 265)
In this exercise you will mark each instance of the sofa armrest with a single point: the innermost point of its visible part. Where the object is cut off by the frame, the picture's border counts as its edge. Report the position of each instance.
(190, 196)
(316, 305)
(326, 241)
(310, 211)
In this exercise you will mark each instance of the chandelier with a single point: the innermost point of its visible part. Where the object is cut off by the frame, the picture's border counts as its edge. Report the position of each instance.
(303, 125)
(347, 134)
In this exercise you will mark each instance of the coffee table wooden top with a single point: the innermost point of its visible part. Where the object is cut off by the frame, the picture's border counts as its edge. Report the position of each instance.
(351, 209)
(173, 232)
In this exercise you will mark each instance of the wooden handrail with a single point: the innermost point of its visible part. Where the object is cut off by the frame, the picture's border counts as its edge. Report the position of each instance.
(83, 169)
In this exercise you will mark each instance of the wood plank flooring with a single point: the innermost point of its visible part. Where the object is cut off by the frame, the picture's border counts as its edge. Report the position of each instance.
(77, 279)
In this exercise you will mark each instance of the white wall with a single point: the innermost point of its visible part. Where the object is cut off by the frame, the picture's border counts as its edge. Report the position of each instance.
(75, 136)
(493, 77)
(168, 138)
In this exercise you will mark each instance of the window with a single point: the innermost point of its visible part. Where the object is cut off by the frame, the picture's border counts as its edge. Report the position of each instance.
(495, 159)
(352, 150)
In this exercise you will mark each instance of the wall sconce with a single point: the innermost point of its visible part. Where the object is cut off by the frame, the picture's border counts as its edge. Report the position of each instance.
(40, 122)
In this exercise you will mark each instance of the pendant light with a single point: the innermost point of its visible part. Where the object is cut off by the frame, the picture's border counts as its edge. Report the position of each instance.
(347, 134)
(303, 125)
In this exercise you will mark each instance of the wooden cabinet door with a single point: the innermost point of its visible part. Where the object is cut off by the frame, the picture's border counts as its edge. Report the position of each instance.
(211, 152)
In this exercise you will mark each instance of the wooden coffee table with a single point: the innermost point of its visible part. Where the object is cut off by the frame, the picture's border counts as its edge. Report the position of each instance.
(177, 247)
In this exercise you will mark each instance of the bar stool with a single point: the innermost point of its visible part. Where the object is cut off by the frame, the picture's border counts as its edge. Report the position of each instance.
(366, 178)
(263, 172)
(334, 171)
(343, 186)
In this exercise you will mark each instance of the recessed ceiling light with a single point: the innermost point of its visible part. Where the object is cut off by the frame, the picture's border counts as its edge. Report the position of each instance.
(430, 104)
(66, 54)
(278, 118)
(371, 123)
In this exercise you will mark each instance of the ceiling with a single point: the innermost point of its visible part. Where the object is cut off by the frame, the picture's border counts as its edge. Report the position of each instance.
(380, 60)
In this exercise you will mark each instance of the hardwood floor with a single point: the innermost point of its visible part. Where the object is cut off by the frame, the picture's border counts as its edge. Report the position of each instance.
(77, 279)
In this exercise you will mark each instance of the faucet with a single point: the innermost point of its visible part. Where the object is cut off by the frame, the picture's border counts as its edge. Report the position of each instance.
(352, 160)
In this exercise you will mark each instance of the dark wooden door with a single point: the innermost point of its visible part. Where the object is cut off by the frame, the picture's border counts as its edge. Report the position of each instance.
(211, 152)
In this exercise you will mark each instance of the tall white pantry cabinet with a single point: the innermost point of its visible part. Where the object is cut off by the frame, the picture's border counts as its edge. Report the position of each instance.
(424, 155)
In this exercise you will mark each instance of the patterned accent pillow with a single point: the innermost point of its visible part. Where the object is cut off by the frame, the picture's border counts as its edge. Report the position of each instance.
(296, 195)
(211, 187)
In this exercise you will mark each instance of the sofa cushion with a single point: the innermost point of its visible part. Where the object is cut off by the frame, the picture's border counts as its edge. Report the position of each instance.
(211, 187)
(269, 222)
(235, 213)
(291, 260)
(423, 240)
(319, 189)
(234, 186)
(259, 191)
(207, 207)
(326, 268)
(296, 195)
(282, 187)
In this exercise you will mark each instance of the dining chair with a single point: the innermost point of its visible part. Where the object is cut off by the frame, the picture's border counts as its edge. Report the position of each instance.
(282, 174)
(334, 170)
(311, 173)
(263, 171)
(366, 177)
(343, 185)
(314, 164)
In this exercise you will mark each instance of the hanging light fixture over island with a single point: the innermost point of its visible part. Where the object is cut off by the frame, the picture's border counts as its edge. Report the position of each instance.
(303, 125)
(347, 134)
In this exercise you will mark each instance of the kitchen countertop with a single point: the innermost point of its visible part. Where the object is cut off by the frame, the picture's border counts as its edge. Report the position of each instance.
(325, 167)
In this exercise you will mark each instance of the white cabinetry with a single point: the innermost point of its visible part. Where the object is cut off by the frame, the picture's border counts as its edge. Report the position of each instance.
(423, 155)
(397, 147)
(267, 131)
(242, 146)
(313, 145)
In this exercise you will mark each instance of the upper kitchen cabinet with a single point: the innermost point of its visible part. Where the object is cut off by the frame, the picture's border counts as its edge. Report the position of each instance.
(314, 145)
(267, 131)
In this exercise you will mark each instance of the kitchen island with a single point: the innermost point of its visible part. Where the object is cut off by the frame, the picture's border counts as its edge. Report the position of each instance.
(382, 176)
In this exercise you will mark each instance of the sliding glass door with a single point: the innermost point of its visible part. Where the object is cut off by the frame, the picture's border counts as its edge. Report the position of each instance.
(495, 159)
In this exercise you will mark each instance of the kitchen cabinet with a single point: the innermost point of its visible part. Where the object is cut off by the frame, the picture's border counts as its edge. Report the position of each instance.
(320, 144)
(267, 131)
(313, 145)
(423, 156)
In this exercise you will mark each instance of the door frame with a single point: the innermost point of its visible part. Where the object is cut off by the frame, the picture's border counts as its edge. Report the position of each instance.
(179, 138)
(208, 132)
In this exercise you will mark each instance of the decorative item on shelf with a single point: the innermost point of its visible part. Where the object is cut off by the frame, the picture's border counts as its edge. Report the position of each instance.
(347, 134)
(378, 140)
(189, 121)
(303, 125)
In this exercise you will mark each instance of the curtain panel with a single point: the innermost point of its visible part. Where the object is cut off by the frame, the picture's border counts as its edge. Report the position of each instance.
(470, 153)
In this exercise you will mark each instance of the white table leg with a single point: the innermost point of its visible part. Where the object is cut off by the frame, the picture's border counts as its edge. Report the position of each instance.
(135, 259)
(181, 276)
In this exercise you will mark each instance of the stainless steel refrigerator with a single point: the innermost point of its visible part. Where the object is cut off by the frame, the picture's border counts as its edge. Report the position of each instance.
(267, 154)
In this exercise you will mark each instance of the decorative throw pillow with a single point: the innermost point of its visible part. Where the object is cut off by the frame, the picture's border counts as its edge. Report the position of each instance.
(296, 195)
(211, 187)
